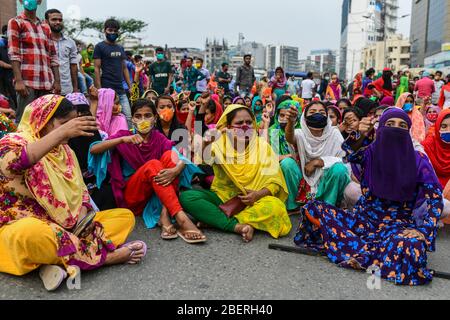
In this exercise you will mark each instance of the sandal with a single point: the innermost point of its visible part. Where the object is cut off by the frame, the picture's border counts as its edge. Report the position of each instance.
(52, 276)
(167, 230)
(191, 241)
(133, 252)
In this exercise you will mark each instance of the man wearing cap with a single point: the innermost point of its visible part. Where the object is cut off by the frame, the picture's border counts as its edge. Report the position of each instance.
(224, 78)
(161, 73)
(424, 88)
(245, 77)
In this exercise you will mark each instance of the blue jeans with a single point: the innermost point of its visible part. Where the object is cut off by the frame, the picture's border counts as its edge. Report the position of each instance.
(126, 108)
(84, 82)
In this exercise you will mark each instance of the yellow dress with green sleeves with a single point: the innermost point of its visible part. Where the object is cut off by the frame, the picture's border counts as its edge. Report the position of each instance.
(254, 169)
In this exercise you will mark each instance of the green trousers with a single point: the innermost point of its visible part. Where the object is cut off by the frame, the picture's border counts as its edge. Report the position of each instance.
(293, 176)
(332, 184)
(203, 205)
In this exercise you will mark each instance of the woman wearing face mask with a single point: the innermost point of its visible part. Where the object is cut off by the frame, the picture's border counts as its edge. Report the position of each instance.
(431, 116)
(258, 108)
(407, 103)
(334, 90)
(110, 120)
(278, 82)
(246, 170)
(383, 86)
(285, 151)
(43, 199)
(167, 123)
(143, 165)
(319, 147)
(394, 223)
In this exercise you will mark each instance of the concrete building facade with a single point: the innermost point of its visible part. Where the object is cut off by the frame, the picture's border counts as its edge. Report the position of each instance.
(282, 56)
(394, 53)
(322, 61)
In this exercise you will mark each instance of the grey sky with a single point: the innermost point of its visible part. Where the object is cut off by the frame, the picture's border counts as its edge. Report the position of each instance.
(302, 23)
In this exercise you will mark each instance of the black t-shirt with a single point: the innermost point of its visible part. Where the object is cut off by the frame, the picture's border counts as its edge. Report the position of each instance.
(8, 73)
(224, 75)
(112, 57)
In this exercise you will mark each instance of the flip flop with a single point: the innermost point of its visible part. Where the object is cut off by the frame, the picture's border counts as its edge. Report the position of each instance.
(133, 252)
(167, 230)
(52, 276)
(190, 241)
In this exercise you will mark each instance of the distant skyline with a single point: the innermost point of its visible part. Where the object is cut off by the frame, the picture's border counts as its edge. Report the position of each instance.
(301, 23)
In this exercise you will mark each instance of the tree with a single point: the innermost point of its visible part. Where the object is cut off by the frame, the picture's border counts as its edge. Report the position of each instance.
(129, 28)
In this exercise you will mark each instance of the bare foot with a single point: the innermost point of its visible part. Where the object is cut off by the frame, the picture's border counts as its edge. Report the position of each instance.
(131, 254)
(188, 228)
(246, 231)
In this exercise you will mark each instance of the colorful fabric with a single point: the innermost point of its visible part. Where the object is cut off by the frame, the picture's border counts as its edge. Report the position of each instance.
(30, 44)
(6, 125)
(439, 152)
(334, 91)
(403, 87)
(277, 135)
(293, 175)
(257, 111)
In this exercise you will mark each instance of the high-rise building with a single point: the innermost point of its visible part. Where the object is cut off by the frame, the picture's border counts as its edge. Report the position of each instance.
(8, 11)
(282, 56)
(215, 54)
(364, 22)
(322, 60)
(430, 33)
(41, 9)
(258, 52)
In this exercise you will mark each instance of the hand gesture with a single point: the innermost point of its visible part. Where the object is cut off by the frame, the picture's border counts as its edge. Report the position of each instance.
(292, 115)
(166, 177)
(21, 89)
(78, 127)
(135, 139)
(310, 168)
(250, 199)
(366, 125)
(269, 108)
(192, 106)
(56, 88)
(93, 92)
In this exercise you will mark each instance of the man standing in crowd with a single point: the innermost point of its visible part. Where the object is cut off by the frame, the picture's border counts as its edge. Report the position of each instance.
(438, 84)
(67, 52)
(202, 85)
(110, 66)
(33, 57)
(191, 76)
(245, 77)
(161, 73)
(308, 86)
(425, 86)
(324, 85)
(6, 72)
(224, 78)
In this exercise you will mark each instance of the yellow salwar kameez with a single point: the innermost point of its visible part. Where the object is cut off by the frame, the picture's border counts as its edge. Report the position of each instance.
(40, 204)
(255, 169)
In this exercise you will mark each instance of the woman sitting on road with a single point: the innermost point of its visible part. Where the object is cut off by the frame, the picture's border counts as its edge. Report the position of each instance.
(395, 222)
(245, 169)
(43, 199)
(144, 164)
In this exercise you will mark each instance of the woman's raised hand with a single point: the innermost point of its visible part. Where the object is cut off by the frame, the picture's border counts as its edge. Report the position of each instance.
(292, 115)
(78, 127)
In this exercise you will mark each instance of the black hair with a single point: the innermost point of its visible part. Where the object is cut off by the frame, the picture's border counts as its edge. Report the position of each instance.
(159, 49)
(51, 11)
(313, 104)
(227, 98)
(309, 75)
(200, 59)
(356, 111)
(129, 53)
(336, 112)
(247, 55)
(446, 117)
(165, 98)
(112, 24)
(224, 64)
(282, 99)
(439, 72)
(138, 57)
(64, 109)
(328, 103)
(142, 103)
(232, 115)
(181, 103)
(4, 29)
(190, 58)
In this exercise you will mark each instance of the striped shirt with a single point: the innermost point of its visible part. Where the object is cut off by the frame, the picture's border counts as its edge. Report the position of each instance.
(31, 45)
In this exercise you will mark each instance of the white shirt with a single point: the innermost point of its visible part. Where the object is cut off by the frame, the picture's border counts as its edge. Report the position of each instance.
(307, 88)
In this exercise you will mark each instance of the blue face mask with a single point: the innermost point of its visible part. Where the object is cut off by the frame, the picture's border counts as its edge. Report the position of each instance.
(30, 5)
(408, 107)
(112, 37)
(445, 137)
(160, 56)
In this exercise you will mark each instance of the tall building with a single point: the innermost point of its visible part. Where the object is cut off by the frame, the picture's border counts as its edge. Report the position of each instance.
(258, 52)
(8, 11)
(430, 33)
(322, 60)
(393, 53)
(364, 22)
(282, 56)
(41, 9)
(215, 54)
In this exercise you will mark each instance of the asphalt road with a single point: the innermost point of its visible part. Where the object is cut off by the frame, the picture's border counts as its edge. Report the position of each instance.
(226, 268)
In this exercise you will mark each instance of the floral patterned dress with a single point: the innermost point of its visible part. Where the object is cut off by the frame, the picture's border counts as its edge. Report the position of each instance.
(371, 234)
